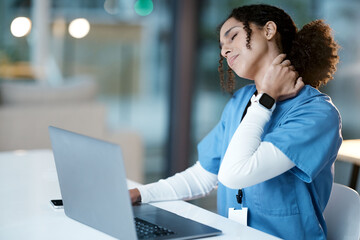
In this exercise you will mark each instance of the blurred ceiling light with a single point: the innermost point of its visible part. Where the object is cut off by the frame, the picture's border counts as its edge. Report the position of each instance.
(111, 6)
(79, 28)
(144, 7)
(20, 26)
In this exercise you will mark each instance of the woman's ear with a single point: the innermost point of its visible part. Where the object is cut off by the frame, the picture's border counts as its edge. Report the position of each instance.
(270, 30)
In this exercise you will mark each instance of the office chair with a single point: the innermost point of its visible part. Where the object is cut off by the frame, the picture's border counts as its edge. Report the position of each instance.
(342, 214)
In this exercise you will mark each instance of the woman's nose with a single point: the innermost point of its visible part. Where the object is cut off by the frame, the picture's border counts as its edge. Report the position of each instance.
(225, 51)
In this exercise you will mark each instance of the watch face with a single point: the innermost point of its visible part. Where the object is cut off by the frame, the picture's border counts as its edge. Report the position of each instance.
(266, 101)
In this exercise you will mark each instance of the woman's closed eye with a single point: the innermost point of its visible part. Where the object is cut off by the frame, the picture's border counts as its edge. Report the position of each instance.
(234, 36)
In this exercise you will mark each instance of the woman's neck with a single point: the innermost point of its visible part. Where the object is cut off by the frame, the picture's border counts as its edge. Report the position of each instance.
(268, 59)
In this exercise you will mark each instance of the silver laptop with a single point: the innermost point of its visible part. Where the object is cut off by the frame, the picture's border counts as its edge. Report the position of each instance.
(94, 192)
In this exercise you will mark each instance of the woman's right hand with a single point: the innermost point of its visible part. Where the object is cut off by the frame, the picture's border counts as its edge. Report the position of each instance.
(281, 81)
(135, 195)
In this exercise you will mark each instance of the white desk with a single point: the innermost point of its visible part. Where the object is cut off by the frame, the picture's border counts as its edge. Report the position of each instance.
(28, 180)
(350, 152)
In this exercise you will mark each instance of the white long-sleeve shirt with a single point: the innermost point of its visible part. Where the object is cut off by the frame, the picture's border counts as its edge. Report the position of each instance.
(247, 161)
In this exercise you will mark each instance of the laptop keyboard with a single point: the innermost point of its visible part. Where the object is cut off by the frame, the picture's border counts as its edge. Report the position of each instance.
(146, 230)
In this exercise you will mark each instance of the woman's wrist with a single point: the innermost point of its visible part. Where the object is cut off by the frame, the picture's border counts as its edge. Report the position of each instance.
(264, 100)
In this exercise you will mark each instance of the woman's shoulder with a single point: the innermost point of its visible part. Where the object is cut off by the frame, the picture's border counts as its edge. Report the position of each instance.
(310, 95)
(312, 100)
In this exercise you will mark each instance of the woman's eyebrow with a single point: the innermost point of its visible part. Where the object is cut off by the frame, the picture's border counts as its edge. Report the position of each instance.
(226, 34)
(228, 31)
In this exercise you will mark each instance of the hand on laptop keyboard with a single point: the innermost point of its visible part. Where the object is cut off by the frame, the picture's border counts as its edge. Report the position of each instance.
(135, 196)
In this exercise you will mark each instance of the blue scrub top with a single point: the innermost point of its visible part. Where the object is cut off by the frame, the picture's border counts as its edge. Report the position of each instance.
(307, 129)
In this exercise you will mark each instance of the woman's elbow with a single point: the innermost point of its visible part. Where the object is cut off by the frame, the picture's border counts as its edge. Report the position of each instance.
(229, 179)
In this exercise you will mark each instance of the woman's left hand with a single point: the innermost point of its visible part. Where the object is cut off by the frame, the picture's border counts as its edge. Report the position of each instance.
(280, 81)
(135, 195)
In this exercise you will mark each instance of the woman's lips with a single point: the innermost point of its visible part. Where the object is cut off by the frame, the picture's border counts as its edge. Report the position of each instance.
(231, 60)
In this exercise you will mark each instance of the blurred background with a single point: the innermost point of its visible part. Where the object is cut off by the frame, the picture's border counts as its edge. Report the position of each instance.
(142, 73)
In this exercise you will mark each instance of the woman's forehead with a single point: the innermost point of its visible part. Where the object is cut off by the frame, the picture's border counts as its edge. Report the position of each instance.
(229, 25)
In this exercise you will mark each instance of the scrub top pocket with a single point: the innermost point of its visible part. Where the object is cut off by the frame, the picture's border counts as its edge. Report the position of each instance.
(277, 196)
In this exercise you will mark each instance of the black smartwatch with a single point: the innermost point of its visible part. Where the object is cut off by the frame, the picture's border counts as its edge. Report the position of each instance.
(266, 100)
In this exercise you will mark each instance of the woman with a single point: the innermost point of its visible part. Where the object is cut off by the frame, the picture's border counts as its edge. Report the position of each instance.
(273, 150)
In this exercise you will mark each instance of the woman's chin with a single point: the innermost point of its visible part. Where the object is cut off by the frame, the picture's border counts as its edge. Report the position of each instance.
(242, 74)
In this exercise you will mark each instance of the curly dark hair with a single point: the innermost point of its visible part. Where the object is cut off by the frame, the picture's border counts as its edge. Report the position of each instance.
(312, 50)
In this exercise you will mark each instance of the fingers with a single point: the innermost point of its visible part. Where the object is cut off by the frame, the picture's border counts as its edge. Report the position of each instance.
(285, 63)
(295, 73)
(282, 79)
(299, 84)
(279, 58)
(294, 91)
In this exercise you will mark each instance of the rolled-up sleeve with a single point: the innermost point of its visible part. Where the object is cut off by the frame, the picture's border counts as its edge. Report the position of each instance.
(310, 136)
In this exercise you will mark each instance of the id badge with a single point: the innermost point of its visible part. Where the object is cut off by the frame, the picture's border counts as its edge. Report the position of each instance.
(239, 215)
